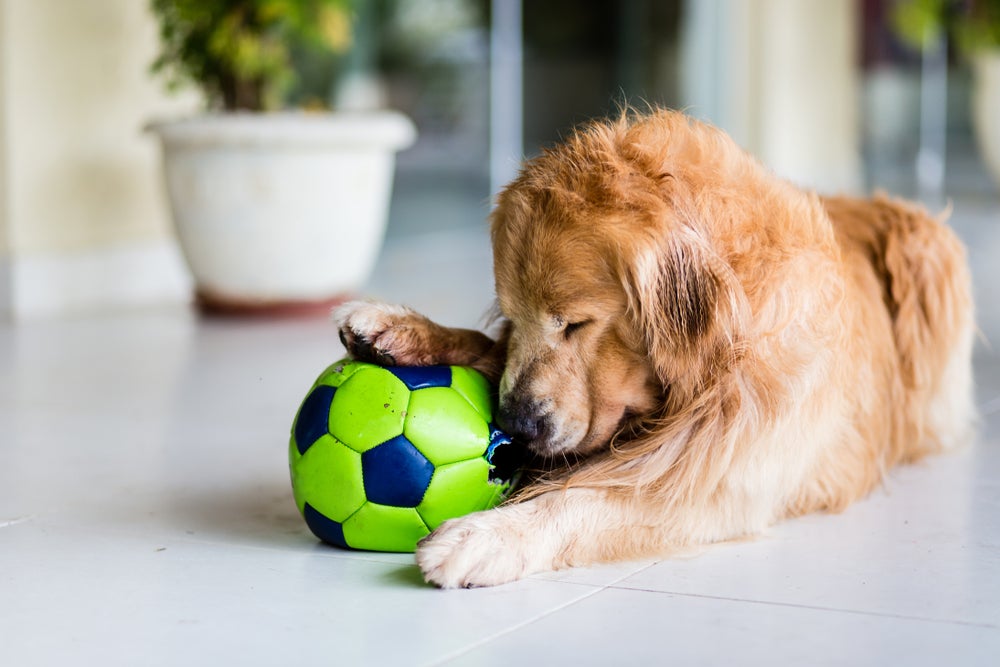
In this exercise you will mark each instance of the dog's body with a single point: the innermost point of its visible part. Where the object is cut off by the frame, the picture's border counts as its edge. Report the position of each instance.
(703, 348)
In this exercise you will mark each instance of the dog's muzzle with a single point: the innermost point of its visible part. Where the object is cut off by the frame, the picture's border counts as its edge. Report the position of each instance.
(525, 422)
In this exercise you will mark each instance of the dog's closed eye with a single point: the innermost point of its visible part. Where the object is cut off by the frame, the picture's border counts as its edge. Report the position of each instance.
(571, 328)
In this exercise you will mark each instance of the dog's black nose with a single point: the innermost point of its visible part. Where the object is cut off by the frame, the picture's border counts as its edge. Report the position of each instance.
(522, 421)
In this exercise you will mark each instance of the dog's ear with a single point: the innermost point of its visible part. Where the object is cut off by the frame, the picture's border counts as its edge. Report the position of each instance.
(688, 293)
(685, 304)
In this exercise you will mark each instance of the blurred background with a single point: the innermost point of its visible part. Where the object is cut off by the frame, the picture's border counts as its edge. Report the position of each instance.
(831, 94)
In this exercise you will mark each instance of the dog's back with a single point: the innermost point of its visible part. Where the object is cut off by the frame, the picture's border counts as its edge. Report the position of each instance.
(919, 266)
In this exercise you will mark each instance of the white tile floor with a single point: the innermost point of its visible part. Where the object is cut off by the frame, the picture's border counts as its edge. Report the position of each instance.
(146, 519)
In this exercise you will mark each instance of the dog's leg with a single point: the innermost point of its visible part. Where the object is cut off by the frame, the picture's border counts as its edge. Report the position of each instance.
(502, 544)
(397, 335)
(560, 529)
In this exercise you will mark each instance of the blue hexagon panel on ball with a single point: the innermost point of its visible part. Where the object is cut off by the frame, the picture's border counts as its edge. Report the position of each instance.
(396, 473)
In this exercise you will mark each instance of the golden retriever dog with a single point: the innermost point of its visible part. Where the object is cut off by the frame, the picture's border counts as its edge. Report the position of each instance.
(696, 348)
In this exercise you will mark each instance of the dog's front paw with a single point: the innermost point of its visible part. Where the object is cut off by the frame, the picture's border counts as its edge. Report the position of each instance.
(481, 549)
(382, 333)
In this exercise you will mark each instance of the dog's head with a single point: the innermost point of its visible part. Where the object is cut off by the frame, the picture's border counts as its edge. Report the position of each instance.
(616, 301)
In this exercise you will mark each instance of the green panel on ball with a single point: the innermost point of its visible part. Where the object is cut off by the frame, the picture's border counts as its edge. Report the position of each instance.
(475, 388)
(368, 408)
(445, 426)
(328, 477)
(457, 489)
(499, 494)
(337, 372)
(382, 528)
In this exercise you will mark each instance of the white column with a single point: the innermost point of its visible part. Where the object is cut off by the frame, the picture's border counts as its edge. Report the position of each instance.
(506, 93)
(781, 77)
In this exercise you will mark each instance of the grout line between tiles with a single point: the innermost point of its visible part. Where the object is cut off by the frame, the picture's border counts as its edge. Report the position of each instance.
(528, 621)
(794, 605)
(597, 588)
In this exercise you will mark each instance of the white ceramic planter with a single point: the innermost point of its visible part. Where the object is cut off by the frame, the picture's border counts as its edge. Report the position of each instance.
(986, 108)
(279, 210)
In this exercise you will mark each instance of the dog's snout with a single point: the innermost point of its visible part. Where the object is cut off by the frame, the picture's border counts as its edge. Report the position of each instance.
(522, 420)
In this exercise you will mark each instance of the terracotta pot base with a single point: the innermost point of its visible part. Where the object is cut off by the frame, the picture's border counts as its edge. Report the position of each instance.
(218, 305)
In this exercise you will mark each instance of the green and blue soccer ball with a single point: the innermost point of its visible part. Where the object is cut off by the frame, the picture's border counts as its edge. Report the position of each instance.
(381, 456)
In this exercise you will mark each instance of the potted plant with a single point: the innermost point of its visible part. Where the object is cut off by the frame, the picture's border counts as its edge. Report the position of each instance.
(274, 209)
(974, 27)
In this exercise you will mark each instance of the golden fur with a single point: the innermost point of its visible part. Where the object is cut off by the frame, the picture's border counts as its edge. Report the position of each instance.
(697, 348)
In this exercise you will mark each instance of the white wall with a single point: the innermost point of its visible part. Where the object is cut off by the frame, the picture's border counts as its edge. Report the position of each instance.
(4, 197)
(83, 217)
